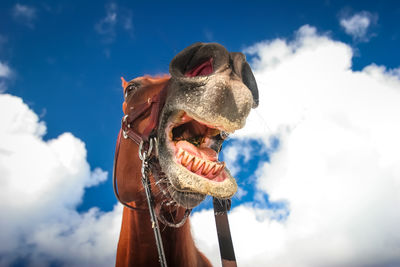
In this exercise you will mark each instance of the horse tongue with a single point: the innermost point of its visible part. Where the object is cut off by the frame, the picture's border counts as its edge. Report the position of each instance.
(201, 152)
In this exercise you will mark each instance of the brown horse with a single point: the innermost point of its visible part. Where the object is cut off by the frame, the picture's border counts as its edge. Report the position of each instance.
(209, 94)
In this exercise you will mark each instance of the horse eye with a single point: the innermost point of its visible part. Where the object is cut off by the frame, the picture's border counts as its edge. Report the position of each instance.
(130, 88)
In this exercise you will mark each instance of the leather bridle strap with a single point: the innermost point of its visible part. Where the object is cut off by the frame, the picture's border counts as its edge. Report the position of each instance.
(154, 104)
(115, 177)
(221, 207)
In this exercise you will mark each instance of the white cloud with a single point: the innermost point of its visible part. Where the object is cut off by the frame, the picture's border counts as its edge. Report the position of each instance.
(337, 166)
(234, 152)
(107, 24)
(42, 183)
(24, 14)
(115, 16)
(357, 25)
(5, 71)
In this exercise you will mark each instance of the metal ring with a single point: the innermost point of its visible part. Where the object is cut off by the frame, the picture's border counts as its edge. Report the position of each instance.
(179, 224)
(155, 146)
(143, 154)
(125, 123)
(125, 118)
(224, 135)
(140, 150)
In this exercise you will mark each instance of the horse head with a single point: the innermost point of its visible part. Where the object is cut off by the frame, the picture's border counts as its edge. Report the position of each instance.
(207, 97)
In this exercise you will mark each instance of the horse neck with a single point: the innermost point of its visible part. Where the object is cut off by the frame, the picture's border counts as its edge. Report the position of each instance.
(137, 245)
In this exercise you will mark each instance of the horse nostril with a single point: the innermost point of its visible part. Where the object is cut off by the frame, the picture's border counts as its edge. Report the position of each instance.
(250, 82)
(199, 59)
(203, 69)
(242, 69)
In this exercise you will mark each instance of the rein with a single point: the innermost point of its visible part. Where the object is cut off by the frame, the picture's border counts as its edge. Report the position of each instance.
(147, 144)
(154, 104)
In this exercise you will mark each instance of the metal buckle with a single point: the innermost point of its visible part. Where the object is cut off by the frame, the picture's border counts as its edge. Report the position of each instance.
(143, 154)
(124, 126)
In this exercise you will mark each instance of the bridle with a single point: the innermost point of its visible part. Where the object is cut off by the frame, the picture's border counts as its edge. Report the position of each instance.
(147, 143)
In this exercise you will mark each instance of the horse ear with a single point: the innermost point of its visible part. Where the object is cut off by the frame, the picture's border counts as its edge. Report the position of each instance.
(124, 83)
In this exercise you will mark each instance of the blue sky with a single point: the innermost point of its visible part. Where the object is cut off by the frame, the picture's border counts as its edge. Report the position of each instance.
(64, 60)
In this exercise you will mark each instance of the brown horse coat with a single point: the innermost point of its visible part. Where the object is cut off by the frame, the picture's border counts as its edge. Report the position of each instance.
(136, 246)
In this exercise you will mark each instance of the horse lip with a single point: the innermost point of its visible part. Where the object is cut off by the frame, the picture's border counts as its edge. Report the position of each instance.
(185, 117)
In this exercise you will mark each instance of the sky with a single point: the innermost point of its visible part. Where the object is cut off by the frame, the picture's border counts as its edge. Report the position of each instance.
(317, 163)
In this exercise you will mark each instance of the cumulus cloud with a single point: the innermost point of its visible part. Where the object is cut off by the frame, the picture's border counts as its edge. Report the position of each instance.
(42, 183)
(232, 154)
(337, 165)
(115, 16)
(358, 24)
(336, 168)
(24, 14)
(5, 73)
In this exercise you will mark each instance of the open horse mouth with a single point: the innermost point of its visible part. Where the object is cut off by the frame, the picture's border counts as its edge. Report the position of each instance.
(188, 151)
(196, 146)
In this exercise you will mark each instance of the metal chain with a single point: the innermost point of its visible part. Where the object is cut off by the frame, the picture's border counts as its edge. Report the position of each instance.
(173, 224)
(144, 156)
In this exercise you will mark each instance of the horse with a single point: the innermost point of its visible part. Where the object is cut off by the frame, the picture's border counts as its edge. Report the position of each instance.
(185, 118)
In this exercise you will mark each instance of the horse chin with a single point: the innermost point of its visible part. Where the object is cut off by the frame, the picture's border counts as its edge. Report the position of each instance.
(188, 155)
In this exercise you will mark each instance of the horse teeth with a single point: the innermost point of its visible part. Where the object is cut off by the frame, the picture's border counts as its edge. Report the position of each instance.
(189, 159)
(216, 169)
(213, 169)
(180, 153)
(222, 166)
(207, 168)
(203, 171)
(196, 164)
(184, 158)
(200, 169)
(199, 165)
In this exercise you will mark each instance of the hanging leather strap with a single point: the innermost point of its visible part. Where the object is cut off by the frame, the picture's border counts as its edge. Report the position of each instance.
(221, 207)
(115, 178)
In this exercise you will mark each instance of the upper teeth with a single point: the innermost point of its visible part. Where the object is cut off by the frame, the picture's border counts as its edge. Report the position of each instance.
(199, 165)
